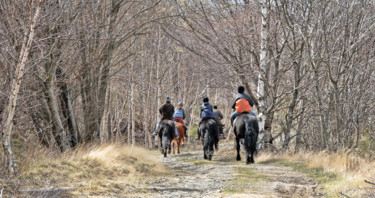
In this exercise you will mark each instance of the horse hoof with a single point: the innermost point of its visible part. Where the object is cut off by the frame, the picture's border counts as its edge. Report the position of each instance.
(204, 157)
(165, 154)
(238, 158)
(210, 157)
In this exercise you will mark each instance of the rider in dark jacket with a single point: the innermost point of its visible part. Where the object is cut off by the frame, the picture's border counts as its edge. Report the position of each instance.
(206, 113)
(218, 117)
(166, 111)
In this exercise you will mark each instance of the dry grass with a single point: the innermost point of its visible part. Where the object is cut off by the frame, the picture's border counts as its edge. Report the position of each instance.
(104, 170)
(350, 170)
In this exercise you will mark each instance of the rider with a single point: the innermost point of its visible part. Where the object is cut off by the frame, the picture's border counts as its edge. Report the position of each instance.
(179, 116)
(241, 103)
(166, 111)
(179, 113)
(218, 116)
(206, 113)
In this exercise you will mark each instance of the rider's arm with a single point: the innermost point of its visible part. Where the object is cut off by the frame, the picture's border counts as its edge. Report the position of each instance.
(234, 103)
(249, 99)
(220, 115)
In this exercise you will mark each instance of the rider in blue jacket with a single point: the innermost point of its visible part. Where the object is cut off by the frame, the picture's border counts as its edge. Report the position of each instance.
(206, 113)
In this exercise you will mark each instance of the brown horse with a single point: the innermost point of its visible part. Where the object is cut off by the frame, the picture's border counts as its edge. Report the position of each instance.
(181, 129)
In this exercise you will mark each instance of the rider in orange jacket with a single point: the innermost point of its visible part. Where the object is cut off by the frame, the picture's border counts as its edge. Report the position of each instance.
(241, 103)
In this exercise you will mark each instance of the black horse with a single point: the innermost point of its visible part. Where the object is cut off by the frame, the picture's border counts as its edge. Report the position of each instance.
(210, 137)
(246, 127)
(166, 131)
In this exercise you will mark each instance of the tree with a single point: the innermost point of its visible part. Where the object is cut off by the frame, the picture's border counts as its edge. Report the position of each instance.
(9, 112)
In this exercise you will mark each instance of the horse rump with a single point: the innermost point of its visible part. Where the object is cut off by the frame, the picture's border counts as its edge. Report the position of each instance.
(176, 142)
(246, 127)
(210, 137)
(166, 136)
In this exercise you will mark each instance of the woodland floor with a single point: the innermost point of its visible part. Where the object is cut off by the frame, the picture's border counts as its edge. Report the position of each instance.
(224, 177)
(188, 175)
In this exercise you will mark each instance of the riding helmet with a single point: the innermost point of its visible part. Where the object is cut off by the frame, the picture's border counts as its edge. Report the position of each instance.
(241, 89)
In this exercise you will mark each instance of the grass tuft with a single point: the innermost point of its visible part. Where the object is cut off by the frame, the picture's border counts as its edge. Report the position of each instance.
(94, 170)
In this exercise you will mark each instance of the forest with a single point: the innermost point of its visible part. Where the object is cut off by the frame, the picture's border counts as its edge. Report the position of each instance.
(96, 71)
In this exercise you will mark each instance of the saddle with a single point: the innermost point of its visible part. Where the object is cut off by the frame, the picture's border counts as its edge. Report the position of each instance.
(242, 113)
(166, 121)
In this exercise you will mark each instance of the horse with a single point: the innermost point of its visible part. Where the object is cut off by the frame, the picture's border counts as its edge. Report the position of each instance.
(166, 134)
(210, 137)
(246, 127)
(181, 129)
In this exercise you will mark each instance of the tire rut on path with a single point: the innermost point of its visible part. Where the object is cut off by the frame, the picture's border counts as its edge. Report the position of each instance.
(223, 177)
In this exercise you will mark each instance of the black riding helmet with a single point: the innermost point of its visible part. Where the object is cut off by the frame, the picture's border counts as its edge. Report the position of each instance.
(205, 99)
(241, 89)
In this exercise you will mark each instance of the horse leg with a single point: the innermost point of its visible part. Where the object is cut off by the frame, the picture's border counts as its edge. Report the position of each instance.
(252, 157)
(178, 146)
(173, 142)
(248, 158)
(161, 146)
(169, 148)
(238, 148)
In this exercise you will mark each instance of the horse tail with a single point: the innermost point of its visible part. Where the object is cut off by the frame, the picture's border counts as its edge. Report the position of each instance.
(166, 136)
(251, 136)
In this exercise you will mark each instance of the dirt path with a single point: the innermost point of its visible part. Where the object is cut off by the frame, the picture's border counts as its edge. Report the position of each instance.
(224, 177)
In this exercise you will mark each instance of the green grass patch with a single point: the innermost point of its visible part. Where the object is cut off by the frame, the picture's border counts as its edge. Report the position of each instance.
(193, 130)
(244, 177)
(197, 162)
(319, 174)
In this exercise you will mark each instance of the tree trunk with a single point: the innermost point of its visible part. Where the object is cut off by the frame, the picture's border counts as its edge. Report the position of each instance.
(132, 107)
(300, 126)
(8, 114)
(67, 109)
(322, 121)
(262, 75)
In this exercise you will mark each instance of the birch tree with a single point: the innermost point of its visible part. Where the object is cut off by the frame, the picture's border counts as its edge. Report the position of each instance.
(8, 114)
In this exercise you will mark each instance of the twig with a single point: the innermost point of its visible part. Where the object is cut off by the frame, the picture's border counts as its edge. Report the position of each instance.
(48, 189)
(369, 182)
(345, 195)
(2, 189)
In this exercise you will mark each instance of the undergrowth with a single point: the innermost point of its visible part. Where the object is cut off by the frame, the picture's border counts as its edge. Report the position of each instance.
(91, 171)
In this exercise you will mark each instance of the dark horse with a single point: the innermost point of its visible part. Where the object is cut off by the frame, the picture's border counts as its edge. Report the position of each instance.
(246, 127)
(210, 137)
(166, 131)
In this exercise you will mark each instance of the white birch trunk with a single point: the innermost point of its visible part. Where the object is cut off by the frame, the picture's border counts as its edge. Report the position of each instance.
(8, 115)
(263, 68)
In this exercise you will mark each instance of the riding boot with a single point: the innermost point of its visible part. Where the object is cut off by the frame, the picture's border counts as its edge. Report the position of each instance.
(198, 133)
